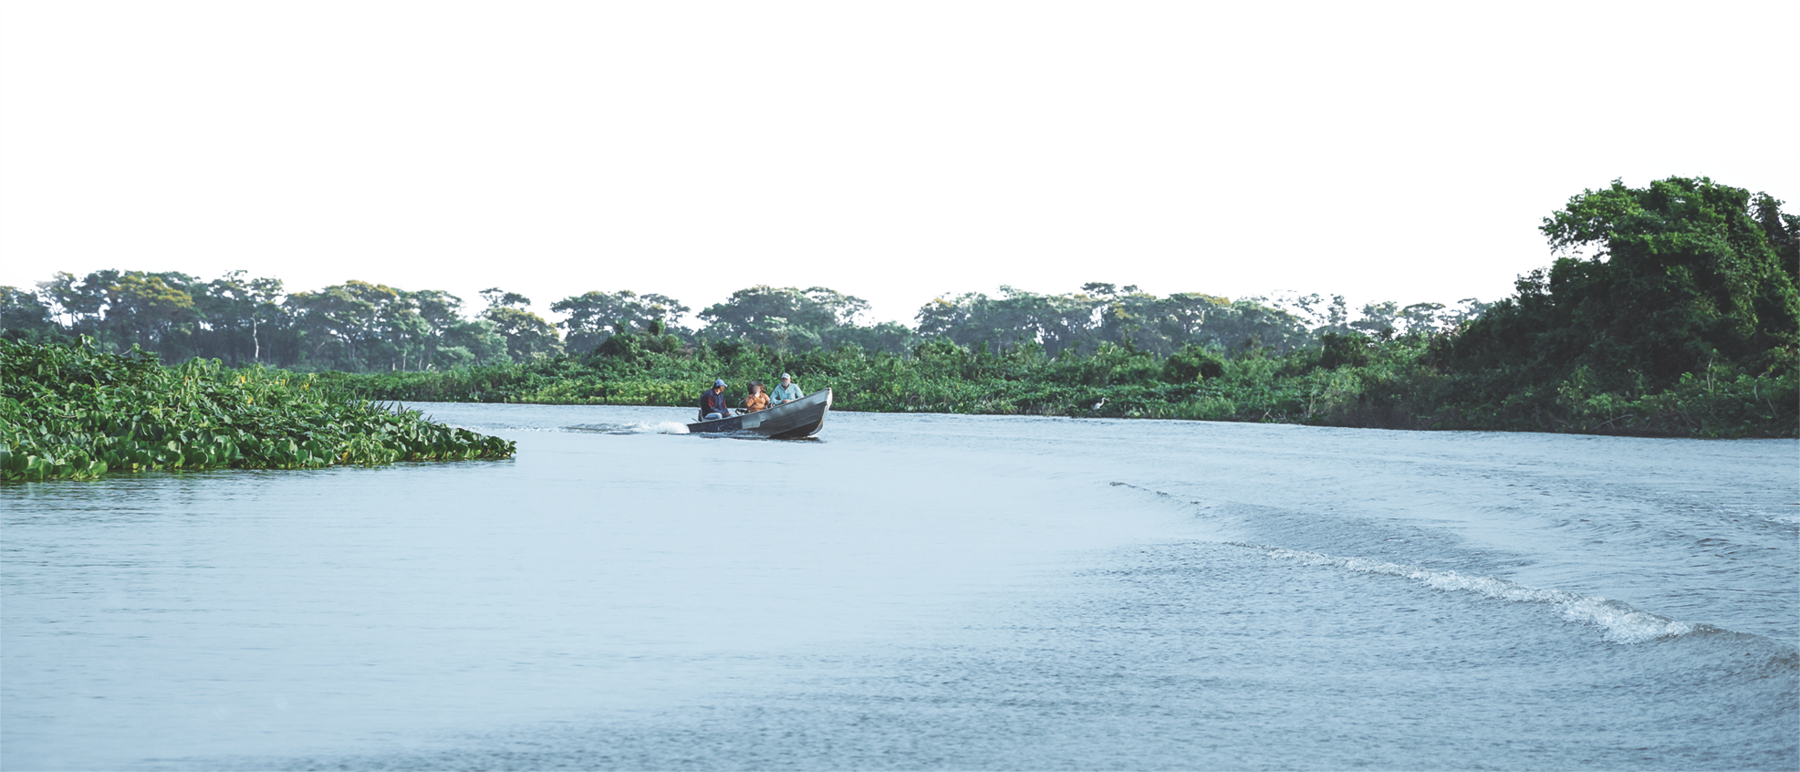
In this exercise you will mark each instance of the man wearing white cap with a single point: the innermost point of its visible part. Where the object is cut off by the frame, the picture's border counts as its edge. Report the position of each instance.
(788, 391)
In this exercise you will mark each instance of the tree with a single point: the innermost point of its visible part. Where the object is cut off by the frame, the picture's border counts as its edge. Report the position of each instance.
(264, 297)
(1465, 311)
(592, 317)
(1378, 320)
(1653, 282)
(941, 318)
(1191, 364)
(83, 301)
(20, 312)
(1104, 290)
(527, 335)
(234, 308)
(891, 337)
(783, 317)
(1055, 322)
(1184, 319)
(1421, 318)
(499, 297)
(1248, 325)
(439, 311)
(469, 342)
(406, 336)
(1103, 314)
(347, 324)
(146, 310)
(1783, 232)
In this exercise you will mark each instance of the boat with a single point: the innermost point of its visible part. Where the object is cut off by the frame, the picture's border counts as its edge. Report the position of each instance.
(802, 418)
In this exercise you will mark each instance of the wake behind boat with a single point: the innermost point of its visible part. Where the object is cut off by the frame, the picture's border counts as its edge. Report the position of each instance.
(795, 420)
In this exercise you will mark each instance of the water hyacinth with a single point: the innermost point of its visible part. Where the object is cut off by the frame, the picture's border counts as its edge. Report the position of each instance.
(76, 413)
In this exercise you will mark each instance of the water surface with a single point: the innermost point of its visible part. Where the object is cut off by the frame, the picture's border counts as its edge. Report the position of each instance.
(919, 592)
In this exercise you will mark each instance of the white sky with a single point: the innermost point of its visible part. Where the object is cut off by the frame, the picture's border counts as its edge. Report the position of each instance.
(894, 151)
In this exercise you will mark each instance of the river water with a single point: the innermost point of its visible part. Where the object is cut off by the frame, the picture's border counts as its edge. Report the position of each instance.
(919, 592)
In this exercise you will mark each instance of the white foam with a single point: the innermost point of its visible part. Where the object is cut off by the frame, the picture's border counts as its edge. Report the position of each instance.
(1620, 622)
(643, 427)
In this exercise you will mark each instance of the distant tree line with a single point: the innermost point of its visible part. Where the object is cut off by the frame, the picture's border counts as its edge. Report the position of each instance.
(1670, 310)
(1125, 316)
(360, 326)
(1674, 310)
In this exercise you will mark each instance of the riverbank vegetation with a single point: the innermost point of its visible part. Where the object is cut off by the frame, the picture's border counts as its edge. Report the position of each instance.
(76, 412)
(1352, 381)
(1673, 310)
(1670, 310)
(361, 326)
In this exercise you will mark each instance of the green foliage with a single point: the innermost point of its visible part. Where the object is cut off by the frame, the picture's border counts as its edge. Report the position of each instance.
(599, 391)
(1102, 314)
(74, 412)
(22, 310)
(361, 327)
(1351, 381)
(1659, 282)
(1350, 349)
(591, 317)
(527, 335)
(786, 318)
(1673, 310)
(1192, 364)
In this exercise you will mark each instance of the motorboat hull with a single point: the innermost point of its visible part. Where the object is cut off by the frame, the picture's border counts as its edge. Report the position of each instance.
(795, 420)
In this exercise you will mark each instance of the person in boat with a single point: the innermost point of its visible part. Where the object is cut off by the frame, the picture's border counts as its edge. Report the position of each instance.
(788, 391)
(757, 399)
(713, 404)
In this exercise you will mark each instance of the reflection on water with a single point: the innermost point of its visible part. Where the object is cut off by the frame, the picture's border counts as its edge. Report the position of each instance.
(918, 591)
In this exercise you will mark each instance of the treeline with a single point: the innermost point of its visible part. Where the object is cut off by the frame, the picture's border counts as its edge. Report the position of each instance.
(1352, 381)
(361, 326)
(356, 326)
(1674, 310)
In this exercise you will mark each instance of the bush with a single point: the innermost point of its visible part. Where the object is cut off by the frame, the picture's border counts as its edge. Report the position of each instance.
(1192, 364)
(1350, 380)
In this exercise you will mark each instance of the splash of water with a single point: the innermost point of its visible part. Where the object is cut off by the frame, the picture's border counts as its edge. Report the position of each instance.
(641, 427)
(1620, 622)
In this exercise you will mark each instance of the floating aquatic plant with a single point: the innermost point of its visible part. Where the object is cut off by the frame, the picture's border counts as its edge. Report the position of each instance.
(75, 412)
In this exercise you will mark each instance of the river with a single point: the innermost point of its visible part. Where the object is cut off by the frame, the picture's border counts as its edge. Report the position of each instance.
(919, 592)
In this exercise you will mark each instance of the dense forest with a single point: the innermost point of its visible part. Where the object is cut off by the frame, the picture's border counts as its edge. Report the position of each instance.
(1672, 309)
(360, 326)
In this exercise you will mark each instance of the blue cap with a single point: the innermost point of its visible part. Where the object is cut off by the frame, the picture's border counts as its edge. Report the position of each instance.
(719, 383)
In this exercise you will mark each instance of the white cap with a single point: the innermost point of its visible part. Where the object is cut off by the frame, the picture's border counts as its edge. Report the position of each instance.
(786, 377)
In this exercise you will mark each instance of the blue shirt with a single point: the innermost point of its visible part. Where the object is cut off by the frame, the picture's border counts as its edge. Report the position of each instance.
(783, 393)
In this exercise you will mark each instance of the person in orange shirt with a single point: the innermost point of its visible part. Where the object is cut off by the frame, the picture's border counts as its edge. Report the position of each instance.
(757, 400)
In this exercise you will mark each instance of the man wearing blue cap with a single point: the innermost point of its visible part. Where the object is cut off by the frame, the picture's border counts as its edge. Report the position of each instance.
(713, 403)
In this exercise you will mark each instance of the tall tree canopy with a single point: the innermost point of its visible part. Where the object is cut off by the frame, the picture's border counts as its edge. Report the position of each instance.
(528, 336)
(783, 317)
(361, 326)
(1162, 325)
(592, 317)
(1654, 282)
